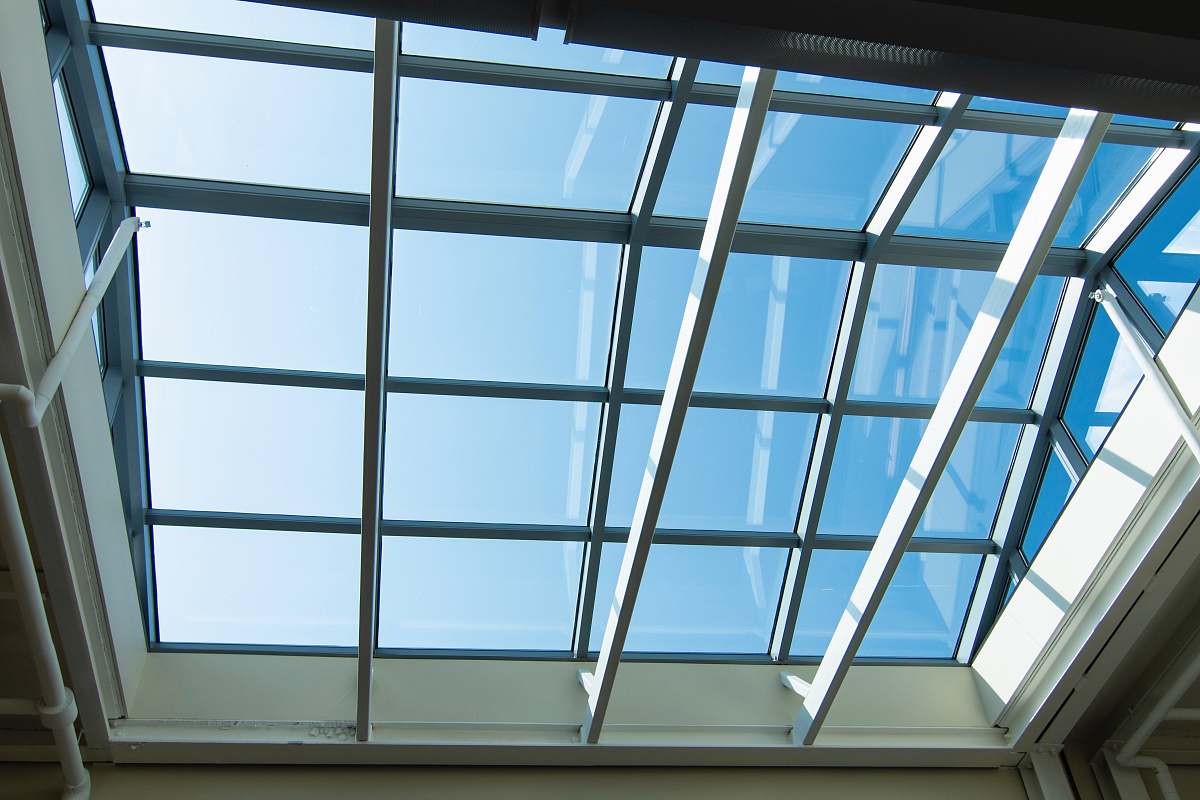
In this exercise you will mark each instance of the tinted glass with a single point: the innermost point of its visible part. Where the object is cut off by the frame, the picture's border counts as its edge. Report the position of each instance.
(1104, 382)
(921, 615)
(77, 175)
(237, 18)
(717, 72)
(496, 144)
(484, 594)
(1052, 496)
(1041, 110)
(808, 170)
(981, 183)
(773, 330)
(483, 459)
(258, 449)
(239, 120)
(501, 308)
(873, 455)
(1162, 264)
(256, 587)
(734, 470)
(917, 321)
(696, 599)
(547, 50)
(244, 291)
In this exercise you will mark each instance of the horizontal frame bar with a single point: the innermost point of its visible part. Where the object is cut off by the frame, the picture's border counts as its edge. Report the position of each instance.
(551, 79)
(557, 392)
(518, 655)
(542, 533)
(347, 208)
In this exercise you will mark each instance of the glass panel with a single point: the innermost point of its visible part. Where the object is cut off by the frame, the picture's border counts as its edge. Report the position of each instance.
(808, 170)
(236, 18)
(921, 615)
(547, 50)
(241, 121)
(1042, 110)
(501, 308)
(772, 332)
(734, 470)
(1162, 264)
(485, 459)
(485, 594)
(917, 321)
(980, 184)
(696, 598)
(225, 586)
(77, 175)
(1052, 496)
(89, 273)
(554, 149)
(1104, 382)
(259, 449)
(718, 72)
(874, 453)
(245, 291)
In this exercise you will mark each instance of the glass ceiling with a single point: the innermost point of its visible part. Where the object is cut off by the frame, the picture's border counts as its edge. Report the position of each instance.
(506, 360)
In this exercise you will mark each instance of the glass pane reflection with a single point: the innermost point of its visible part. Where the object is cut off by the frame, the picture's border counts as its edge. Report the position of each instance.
(487, 459)
(696, 599)
(874, 453)
(1162, 264)
(981, 183)
(734, 470)
(808, 170)
(772, 332)
(494, 144)
(917, 321)
(1104, 381)
(547, 50)
(485, 594)
(921, 615)
(501, 308)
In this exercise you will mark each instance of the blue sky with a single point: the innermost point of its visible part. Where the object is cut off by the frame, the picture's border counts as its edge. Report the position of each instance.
(286, 294)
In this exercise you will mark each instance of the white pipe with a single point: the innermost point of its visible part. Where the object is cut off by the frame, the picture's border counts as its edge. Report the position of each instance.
(35, 403)
(57, 707)
(1162, 774)
(1149, 366)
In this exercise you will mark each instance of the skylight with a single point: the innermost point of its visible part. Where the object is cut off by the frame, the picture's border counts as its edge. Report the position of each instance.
(504, 512)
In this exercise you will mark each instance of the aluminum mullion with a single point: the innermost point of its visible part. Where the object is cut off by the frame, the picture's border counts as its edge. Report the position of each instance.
(58, 48)
(451, 216)
(733, 178)
(240, 520)
(1052, 195)
(658, 155)
(916, 165)
(379, 268)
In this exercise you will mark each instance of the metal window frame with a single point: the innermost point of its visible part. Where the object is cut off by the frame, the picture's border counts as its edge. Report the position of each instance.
(73, 42)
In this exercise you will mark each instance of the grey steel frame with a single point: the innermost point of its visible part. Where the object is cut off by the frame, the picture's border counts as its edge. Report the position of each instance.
(73, 43)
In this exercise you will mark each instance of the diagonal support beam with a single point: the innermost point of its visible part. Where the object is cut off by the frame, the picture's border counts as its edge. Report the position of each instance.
(916, 166)
(1056, 187)
(744, 132)
(662, 143)
(379, 279)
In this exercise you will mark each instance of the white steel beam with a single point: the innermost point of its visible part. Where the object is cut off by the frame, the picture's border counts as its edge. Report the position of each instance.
(1056, 187)
(379, 274)
(1144, 357)
(662, 144)
(916, 166)
(744, 132)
